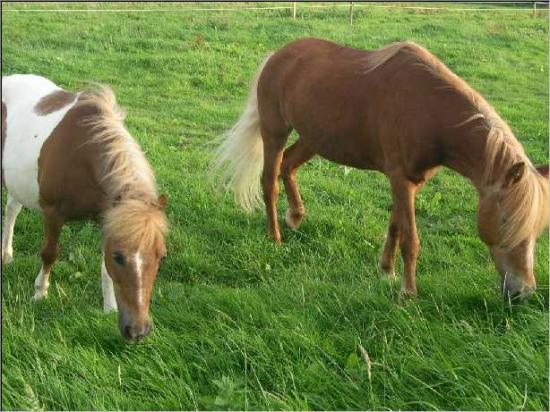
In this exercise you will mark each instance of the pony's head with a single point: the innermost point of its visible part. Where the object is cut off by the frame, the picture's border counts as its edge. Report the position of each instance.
(513, 212)
(133, 236)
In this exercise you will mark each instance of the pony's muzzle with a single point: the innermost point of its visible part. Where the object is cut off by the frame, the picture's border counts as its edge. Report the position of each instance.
(135, 331)
(517, 293)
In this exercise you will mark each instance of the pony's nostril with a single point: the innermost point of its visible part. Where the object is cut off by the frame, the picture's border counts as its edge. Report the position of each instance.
(128, 332)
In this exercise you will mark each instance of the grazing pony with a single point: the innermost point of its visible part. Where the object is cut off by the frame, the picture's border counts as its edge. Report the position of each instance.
(398, 110)
(70, 157)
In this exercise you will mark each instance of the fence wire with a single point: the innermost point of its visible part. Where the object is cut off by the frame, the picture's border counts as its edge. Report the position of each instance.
(298, 6)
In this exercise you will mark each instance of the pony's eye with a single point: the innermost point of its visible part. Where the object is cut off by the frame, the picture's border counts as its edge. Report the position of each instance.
(118, 258)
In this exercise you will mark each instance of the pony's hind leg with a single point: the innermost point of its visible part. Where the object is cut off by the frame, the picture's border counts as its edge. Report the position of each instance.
(109, 300)
(13, 207)
(273, 154)
(50, 250)
(293, 157)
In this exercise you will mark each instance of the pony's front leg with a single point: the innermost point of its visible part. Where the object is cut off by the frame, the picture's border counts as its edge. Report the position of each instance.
(13, 207)
(387, 261)
(109, 300)
(53, 223)
(404, 193)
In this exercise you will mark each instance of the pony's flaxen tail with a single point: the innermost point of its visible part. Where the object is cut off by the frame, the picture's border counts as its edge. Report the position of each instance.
(240, 157)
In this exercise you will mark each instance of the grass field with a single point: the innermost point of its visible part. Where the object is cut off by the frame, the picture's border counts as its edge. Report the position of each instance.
(240, 322)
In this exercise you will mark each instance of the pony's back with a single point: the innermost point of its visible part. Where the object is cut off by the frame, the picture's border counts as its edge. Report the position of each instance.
(18, 88)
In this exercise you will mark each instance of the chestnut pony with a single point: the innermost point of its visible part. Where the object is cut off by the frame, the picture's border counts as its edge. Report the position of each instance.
(69, 156)
(398, 110)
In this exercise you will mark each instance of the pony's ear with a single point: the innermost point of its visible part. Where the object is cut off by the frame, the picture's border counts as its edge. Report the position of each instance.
(514, 174)
(162, 201)
(543, 170)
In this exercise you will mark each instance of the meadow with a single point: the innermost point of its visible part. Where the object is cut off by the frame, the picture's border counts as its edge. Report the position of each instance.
(242, 323)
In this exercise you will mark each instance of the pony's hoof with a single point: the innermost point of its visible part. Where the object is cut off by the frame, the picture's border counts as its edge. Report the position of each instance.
(275, 236)
(109, 308)
(293, 219)
(7, 258)
(387, 272)
(406, 294)
(40, 295)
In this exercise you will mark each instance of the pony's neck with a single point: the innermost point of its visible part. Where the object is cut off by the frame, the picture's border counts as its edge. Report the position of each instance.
(482, 153)
(465, 153)
(142, 193)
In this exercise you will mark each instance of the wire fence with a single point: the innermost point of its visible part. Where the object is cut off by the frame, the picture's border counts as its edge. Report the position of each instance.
(537, 6)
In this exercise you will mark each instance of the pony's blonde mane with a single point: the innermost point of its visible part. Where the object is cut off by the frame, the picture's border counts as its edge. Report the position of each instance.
(134, 220)
(525, 203)
(135, 224)
(125, 170)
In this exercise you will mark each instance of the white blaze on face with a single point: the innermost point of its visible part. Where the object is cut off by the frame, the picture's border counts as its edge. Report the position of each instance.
(531, 255)
(519, 277)
(107, 287)
(529, 283)
(138, 262)
(26, 132)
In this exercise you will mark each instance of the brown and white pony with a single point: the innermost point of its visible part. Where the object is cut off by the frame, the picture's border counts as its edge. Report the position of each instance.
(70, 157)
(398, 110)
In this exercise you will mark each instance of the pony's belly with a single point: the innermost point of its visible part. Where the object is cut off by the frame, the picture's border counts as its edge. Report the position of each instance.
(20, 164)
(22, 185)
(348, 152)
(350, 159)
(26, 133)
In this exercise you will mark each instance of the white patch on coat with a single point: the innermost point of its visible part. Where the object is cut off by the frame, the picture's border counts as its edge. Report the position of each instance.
(138, 261)
(26, 133)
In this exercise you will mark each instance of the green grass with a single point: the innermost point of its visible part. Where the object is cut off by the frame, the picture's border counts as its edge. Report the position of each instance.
(240, 322)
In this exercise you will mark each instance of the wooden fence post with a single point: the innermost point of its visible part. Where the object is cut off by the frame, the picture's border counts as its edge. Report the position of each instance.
(294, 10)
(351, 13)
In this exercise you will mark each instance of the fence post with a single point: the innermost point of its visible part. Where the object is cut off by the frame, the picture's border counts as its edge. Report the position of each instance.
(294, 10)
(351, 13)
